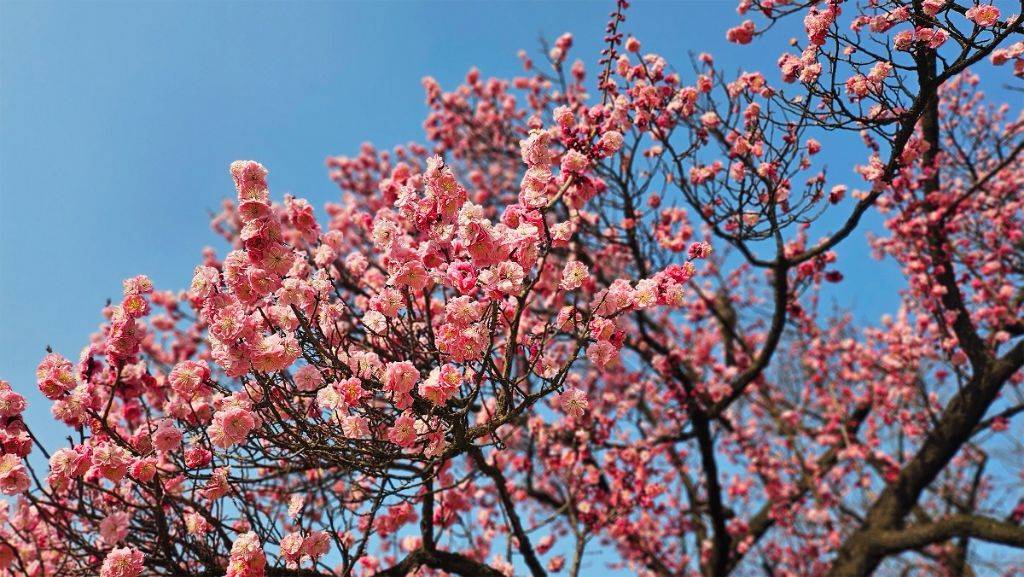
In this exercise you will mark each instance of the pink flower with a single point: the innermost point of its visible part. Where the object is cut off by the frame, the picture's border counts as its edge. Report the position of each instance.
(250, 179)
(137, 285)
(13, 475)
(66, 464)
(247, 558)
(351, 392)
(741, 34)
(564, 117)
(556, 563)
(356, 264)
(197, 457)
(536, 149)
(55, 376)
(308, 378)
(355, 427)
(110, 461)
(611, 141)
(123, 562)
(574, 161)
(699, 250)
(217, 486)
(317, 544)
(166, 437)
(230, 426)
(196, 524)
(441, 384)
(463, 311)
(11, 403)
(204, 282)
(983, 15)
(400, 377)
(412, 275)
(143, 469)
(114, 528)
(573, 275)
(187, 377)
(291, 548)
(602, 353)
(932, 7)
(507, 277)
(275, 353)
(574, 402)
(462, 275)
(403, 433)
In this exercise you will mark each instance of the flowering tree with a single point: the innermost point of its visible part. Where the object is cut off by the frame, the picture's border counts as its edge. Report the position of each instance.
(515, 344)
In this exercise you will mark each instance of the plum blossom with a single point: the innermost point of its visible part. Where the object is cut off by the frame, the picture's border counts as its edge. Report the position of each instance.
(122, 562)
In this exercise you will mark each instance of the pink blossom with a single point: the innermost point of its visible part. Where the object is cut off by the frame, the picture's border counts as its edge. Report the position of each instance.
(741, 34)
(403, 433)
(114, 528)
(11, 403)
(308, 378)
(166, 437)
(573, 275)
(441, 384)
(122, 562)
(574, 402)
(13, 475)
(932, 7)
(292, 548)
(983, 14)
(355, 427)
(187, 377)
(247, 558)
(230, 426)
(317, 544)
(611, 141)
(602, 353)
(110, 460)
(399, 379)
(55, 376)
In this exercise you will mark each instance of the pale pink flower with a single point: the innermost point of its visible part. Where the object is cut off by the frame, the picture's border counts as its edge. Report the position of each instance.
(355, 427)
(403, 433)
(230, 426)
(983, 15)
(14, 478)
(400, 377)
(317, 544)
(187, 376)
(110, 460)
(573, 275)
(741, 34)
(308, 378)
(122, 562)
(601, 353)
(114, 528)
(574, 402)
(166, 437)
(247, 558)
(611, 141)
(291, 549)
(55, 376)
